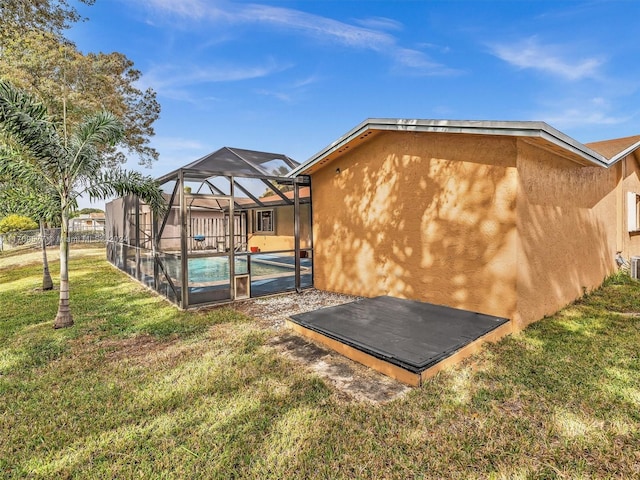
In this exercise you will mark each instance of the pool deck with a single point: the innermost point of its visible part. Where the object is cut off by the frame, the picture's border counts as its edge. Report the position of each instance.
(404, 339)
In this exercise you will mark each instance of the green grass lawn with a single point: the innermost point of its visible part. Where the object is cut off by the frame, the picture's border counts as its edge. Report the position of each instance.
(137, 389)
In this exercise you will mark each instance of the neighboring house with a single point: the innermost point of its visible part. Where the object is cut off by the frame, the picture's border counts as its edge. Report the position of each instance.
(87, 222)
(271, 225)
(513, 219)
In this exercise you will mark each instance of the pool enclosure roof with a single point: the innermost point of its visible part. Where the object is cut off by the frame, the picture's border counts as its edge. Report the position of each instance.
(235, 161)
(208, 216)
(241, 167)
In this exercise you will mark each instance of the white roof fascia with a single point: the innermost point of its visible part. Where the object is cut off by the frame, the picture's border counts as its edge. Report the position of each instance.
(616, 158)
(346, 138)
(476, 127)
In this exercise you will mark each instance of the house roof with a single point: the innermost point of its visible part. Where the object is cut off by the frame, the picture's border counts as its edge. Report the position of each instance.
(236, 161)
(208, 202)
(537, 133)
(616, 147)
(305, 192)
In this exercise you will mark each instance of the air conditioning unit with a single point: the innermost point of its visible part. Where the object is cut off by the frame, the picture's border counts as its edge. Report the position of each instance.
(635, 268)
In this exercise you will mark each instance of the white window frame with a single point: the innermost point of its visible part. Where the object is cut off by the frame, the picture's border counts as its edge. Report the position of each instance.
(633, 212)
(259, 224)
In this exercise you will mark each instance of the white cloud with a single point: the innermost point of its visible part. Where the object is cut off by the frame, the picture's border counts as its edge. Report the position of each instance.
(419, 62)
(552, 59)
(310, 80)
(577, 116)
(315, 26)
(380, 23)
(192, 9)
(581, 113)
(433, 46)
(173, 81)
(177, 144)
(283, 97)
(291, 92)
(173, 76)
(371, 35)
(175, 152)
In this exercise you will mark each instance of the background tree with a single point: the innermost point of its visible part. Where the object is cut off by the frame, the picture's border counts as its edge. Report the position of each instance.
(35, 201)
(70, 161)
(49, 15)
(35, 56)
(278, 172)
(85, 211)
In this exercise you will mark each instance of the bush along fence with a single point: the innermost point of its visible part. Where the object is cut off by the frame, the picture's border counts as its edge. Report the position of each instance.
(32, 238)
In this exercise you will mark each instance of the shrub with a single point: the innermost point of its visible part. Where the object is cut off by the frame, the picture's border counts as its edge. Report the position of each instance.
(17, 223)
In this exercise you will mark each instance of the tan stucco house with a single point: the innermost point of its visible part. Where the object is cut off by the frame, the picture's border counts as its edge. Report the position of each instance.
(513, 219)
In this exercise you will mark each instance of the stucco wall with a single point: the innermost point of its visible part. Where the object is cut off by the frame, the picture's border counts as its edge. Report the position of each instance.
(170, 239)
(630, 242)
(283, 238)
(422, 216)
(568, 229)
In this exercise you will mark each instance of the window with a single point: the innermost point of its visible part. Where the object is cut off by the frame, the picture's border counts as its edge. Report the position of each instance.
(265, 221)
(633, 212)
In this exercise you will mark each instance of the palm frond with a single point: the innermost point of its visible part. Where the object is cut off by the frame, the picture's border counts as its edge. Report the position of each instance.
(120, 182)
(25, 119)
(24, 188)
(22, 200)
(17, 170)
(101, 129)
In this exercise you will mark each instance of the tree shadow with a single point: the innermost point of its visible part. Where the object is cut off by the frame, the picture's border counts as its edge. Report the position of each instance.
(487, 224)
(567, 231)
(426, 218)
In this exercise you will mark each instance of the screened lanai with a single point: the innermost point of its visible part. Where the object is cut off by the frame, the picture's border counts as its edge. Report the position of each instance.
(236, 227)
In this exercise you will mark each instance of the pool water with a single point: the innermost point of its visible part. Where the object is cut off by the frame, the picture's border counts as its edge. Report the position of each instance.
(214, 269)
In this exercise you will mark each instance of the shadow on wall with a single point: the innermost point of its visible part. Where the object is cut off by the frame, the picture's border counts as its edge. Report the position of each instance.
(631, 183)
(421, 218)
(449, 220)
(568, 225)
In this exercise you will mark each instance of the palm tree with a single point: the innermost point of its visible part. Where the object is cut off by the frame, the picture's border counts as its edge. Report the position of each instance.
(30, 201)
(69, 162)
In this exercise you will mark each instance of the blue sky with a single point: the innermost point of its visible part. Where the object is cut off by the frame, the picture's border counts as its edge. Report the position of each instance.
(293, 76)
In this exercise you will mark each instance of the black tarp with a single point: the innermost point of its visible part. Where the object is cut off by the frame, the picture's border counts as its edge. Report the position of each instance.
(413, 335)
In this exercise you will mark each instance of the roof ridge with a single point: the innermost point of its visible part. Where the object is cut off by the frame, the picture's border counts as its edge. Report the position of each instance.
(538, 129)
(257, 168)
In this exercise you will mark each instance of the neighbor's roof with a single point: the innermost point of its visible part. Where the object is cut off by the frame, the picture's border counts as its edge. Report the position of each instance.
(618, 147)
(537, 133)
(236, 161)
(304, 192)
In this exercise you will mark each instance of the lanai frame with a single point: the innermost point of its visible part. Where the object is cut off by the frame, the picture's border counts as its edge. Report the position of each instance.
(178, 199)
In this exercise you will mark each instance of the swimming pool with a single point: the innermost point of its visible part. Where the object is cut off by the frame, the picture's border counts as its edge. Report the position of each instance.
(216, 269)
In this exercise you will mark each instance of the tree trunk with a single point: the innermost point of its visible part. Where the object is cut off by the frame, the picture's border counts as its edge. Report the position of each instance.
(47, 283)
(64, 318)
